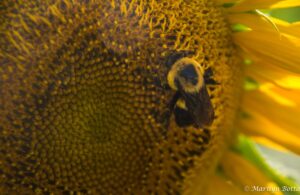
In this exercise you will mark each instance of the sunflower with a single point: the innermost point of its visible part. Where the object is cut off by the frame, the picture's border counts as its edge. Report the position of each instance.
(141, 96)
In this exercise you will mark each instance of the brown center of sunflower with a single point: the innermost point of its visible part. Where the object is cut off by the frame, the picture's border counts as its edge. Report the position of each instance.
(85, 101)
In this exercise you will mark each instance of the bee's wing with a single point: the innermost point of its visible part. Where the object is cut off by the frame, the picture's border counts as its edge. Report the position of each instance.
(199, 106)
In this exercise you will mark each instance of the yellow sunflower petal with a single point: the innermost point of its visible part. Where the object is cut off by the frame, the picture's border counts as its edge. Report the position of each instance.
(259, 125)
(219, 185)
(269, 143)
(264, 72)
(290, 82)
(287, 28)
(277, 102)
(247, 5)
(269, 25)
(271, 48)
(285, 4)
(254, 21)
(246, 175)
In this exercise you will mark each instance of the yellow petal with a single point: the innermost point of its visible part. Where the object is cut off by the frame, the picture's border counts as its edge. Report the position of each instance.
(246, 175)
(287, 28)
(254, 21)
(271, 48)
(266, 24)
(290, 82)
(277, 97)
(259, 125)
(220, 185)
(247, 5)
(269, 143)
(264, 72)
(279, 105)
(285, 4)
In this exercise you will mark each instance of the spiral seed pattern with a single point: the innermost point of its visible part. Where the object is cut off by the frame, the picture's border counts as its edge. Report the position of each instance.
(84, 99)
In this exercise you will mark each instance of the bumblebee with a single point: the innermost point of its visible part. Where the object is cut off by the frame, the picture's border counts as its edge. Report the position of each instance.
(192, 102)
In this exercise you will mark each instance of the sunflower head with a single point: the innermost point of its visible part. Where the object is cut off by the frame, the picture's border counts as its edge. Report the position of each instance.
(87, 105)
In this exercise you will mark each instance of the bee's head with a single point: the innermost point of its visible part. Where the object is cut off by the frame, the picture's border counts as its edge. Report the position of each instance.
(186, 74)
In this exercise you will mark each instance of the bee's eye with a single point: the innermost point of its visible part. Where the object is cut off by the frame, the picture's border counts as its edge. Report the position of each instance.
(189, 74)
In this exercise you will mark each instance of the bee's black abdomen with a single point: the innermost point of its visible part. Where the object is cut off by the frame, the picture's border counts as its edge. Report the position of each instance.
(183, 117)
